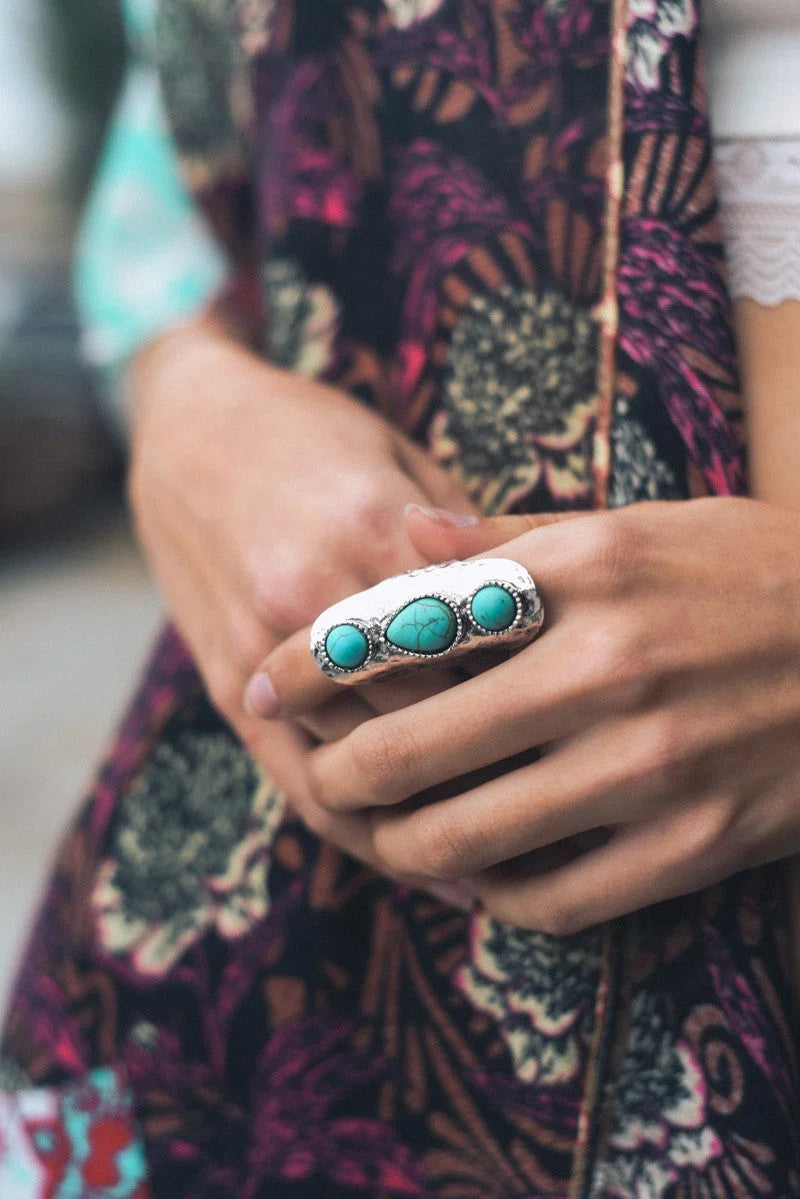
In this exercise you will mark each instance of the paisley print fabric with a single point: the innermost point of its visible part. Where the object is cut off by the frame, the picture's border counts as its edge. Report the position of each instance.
(494, 221)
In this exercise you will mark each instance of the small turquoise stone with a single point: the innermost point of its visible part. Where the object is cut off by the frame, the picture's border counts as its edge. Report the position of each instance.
(425, 626)
(347, 646)
(494, 608)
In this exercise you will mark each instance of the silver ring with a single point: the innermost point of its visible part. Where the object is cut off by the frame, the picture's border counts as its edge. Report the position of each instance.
(424, 615)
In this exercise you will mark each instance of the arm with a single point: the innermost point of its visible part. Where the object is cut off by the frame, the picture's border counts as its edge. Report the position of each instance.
(769, 349)
(665, 689)
(769, 345)
(145, 259)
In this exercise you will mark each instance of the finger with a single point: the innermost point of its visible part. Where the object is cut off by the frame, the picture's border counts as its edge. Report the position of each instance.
(604, 777)
(400, 691)
(440, 487)
(640, 865)
(283, 748)
(436, 535)
(544, 694)
(516, 812)
(337, 717)
(288, 682)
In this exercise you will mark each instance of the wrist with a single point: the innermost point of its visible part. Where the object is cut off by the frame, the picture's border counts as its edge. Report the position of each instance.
(169, 367)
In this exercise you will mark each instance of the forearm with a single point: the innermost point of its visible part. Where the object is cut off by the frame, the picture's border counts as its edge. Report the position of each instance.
(769, 347)
(197, 381)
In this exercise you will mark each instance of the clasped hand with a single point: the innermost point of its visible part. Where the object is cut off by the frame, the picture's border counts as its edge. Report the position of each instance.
(647, 745)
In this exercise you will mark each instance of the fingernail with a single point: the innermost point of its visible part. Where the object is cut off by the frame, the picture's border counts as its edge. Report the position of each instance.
(442, 516)
(260, 697)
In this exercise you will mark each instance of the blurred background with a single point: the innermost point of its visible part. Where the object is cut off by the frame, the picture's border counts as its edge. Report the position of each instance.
(77, 610)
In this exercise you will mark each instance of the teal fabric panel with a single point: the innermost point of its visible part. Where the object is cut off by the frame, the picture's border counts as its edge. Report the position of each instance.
(145, 258)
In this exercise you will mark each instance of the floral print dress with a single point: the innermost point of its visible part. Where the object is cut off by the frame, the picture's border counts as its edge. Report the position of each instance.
(494, 221)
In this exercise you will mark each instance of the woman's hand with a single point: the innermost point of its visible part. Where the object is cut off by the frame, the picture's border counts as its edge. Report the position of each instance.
(664, 692)
(261, 497)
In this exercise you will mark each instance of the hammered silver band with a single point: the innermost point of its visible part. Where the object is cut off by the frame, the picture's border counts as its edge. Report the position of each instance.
(426, 615)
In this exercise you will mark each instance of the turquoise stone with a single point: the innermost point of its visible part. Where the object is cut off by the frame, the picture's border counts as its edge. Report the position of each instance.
(425, 626)
(494, 608)
(347, 646)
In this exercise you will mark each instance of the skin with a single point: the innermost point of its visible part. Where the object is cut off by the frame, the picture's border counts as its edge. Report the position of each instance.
(661, 770)
(665, 699)
(244, 555)
(769, 350)
(653, 744)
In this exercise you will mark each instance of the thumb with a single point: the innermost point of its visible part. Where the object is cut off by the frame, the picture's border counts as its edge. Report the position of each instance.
(438, 534)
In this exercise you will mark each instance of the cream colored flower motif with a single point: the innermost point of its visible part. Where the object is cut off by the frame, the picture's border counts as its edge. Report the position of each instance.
(255, 23)
(652, 24)
(190, 852)
(406, 13)
(660, 1126)
(540, 989)
(303, 319)
(638, 472)
(519, 398)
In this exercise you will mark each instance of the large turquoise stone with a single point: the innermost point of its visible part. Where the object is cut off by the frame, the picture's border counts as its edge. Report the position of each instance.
(494, 608)
(347, 646)
(425, 626)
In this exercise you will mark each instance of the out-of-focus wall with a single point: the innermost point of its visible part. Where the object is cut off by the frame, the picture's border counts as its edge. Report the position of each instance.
(33, 148)
(60, 68)
(77, 609)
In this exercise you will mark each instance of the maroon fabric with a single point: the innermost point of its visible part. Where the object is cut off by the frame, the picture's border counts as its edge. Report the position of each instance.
(495, 222)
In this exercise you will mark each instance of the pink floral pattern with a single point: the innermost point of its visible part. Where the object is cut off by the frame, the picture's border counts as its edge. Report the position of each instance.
(470, 217)
(305, 1071)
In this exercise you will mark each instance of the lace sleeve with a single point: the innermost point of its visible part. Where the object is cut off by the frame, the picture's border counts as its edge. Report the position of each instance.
(759, 193)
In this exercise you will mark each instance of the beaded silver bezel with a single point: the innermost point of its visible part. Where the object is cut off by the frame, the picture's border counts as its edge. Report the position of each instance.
(363, 628)
(387, 599)
(420, 655)
(515, 595)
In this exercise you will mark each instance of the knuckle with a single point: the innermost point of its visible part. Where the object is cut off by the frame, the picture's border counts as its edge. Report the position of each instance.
(362, 502)
(248, 646)
(559, 919)
(384, 759)
(315, 818)
(317, 787)
(225, 692)
(284, 590)
(609, 551)
(442, 846)
(663, 751)
(616, 659)
(708, 828)
(322, 803)
(553, 918)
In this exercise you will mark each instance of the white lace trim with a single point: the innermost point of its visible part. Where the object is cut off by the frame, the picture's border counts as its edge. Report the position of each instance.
(759, 193)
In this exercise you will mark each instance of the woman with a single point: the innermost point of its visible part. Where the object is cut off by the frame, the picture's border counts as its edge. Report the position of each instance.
(476, 249)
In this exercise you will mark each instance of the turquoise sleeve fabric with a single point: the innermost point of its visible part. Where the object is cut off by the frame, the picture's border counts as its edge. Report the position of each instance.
(145, 258)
